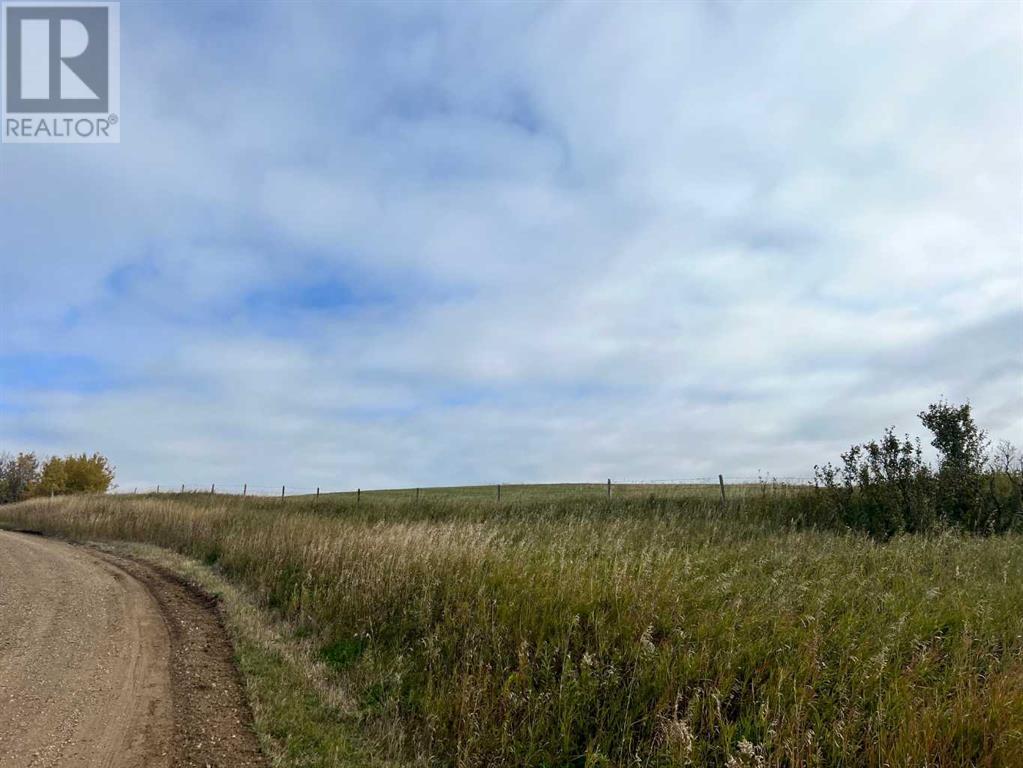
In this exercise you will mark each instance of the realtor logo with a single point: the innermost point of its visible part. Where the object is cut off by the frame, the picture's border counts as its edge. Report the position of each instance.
(61, 72)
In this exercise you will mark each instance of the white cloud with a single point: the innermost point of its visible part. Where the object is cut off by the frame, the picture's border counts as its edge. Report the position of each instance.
(569, 241)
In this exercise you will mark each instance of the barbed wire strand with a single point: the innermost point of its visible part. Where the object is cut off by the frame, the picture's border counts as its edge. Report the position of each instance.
(236, 489)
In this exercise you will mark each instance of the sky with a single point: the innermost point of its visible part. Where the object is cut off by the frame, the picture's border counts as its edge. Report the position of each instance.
(374, 245)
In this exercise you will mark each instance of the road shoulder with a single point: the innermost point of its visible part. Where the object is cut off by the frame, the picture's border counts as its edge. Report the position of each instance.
(213, 722)
(301, 717)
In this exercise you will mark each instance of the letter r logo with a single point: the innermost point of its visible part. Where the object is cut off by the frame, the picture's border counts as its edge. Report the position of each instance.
(57, 58)
(35, 59)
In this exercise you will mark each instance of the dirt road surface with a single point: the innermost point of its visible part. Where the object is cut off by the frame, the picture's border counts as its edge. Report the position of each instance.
(108, 662)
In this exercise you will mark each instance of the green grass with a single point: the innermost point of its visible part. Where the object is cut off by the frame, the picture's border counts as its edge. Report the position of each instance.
(474, 493)
(539, 492)
(658, 628)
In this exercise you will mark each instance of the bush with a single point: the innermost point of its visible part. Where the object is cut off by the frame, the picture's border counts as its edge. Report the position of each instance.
(1005, 486)
(885, 487)
(882, 487)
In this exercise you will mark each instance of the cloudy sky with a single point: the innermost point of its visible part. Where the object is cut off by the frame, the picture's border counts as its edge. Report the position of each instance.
(422, 244)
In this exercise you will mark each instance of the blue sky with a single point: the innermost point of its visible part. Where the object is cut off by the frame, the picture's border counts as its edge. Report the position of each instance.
(419, 244)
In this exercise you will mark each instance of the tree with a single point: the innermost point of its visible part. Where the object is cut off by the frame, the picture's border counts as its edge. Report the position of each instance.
(53, 478)
(76, 474)
(19, 476)
(962, 456)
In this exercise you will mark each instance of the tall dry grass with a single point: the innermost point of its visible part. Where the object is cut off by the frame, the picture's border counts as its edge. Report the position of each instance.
(636, 632)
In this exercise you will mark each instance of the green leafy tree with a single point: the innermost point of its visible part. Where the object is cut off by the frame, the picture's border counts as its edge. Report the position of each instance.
(962, 456)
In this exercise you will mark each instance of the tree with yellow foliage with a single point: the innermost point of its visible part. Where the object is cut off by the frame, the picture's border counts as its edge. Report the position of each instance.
(75, 474)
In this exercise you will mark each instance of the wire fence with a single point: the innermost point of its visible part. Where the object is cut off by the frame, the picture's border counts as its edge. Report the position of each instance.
(716, 479)
(229, 489)
(609, 487)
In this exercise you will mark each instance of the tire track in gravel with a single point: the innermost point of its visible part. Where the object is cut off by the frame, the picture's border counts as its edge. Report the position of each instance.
(111, 662)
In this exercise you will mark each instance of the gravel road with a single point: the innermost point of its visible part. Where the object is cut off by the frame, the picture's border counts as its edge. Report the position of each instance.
(110, 662)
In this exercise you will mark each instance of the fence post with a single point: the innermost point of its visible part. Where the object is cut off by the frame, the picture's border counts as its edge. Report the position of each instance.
(182, 487)
(213, 488)
(135, 492)
(721, 483)
(157, 489)
(609, 487)
(498, 491)
(317, 492)
(417, 495)
(358, 496)
(245, 490)
(282, 493)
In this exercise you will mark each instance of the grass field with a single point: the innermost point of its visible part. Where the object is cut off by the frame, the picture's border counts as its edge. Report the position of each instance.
(662, 627)
(543, 492)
